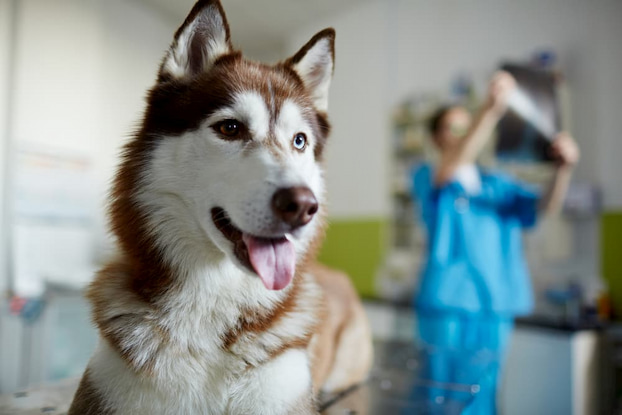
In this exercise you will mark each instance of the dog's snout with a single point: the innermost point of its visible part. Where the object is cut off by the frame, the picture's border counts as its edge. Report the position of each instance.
(294, 205)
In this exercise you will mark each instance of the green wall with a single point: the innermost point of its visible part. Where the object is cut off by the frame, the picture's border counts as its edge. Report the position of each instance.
(356, 246)
(611, 256)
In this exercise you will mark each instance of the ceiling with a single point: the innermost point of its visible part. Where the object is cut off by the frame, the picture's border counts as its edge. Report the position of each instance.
(261, 27)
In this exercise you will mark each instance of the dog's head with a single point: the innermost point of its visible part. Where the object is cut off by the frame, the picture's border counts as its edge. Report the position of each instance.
(226, 162)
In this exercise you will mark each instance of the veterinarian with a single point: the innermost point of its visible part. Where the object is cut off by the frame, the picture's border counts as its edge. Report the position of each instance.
(475, 280)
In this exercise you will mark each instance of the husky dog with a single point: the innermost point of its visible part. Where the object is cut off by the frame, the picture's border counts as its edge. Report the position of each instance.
(214, 304)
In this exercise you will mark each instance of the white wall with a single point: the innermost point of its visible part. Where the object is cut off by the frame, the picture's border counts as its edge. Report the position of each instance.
(358, 110)
(5, 51)
(81, 73)
(57, 68)
(5, 47)
(608, 85)
(387, 50)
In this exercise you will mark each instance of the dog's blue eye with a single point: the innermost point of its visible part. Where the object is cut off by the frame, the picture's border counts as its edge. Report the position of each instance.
(300, 141)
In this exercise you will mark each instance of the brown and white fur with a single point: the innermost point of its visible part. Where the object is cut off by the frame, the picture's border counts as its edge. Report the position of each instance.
(187, 326)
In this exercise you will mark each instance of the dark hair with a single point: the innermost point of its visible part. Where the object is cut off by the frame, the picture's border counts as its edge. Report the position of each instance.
(434, 124)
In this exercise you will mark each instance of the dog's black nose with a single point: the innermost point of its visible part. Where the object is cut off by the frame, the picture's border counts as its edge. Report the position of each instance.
(294, 205)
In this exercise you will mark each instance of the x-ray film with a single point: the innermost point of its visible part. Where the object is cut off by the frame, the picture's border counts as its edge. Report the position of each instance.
(526, 130)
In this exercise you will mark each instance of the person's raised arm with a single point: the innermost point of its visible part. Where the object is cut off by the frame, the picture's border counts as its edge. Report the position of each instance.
(469, 147)
(567, 153)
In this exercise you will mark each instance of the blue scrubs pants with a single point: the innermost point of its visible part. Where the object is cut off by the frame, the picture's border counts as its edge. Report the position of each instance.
(465, 349)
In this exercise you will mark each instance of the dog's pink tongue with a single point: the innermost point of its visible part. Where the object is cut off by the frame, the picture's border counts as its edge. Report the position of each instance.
(274, 260)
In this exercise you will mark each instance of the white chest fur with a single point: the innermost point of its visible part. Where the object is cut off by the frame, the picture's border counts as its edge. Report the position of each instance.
(272, 388)
(183, 367)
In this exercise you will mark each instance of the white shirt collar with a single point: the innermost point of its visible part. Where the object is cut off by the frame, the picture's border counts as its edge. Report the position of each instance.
(468, 176)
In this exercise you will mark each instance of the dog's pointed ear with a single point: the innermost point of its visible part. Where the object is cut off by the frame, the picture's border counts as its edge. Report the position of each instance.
(314, 63)
(200, 40)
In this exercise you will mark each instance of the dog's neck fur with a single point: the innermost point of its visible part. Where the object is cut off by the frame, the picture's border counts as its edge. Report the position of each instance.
(199, 333)
(214, 308)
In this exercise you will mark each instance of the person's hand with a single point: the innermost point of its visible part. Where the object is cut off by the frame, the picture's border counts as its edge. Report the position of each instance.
(501, 86)
(565, 150)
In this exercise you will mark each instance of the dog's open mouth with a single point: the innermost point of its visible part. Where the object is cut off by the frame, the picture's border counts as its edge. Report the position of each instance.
(272, 259)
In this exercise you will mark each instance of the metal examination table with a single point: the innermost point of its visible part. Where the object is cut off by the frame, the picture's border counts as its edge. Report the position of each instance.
(396, 386)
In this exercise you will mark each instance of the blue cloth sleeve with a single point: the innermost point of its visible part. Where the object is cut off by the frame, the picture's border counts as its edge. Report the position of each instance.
(422, 189)
(523, 203)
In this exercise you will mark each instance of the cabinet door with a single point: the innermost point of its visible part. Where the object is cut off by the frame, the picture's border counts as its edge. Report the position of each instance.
(538, 374)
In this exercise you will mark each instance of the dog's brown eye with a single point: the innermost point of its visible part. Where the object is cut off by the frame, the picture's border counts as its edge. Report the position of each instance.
(300, 141)
(229, 128)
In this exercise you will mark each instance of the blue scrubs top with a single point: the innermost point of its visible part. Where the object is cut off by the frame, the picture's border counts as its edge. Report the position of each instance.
(475, 261)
